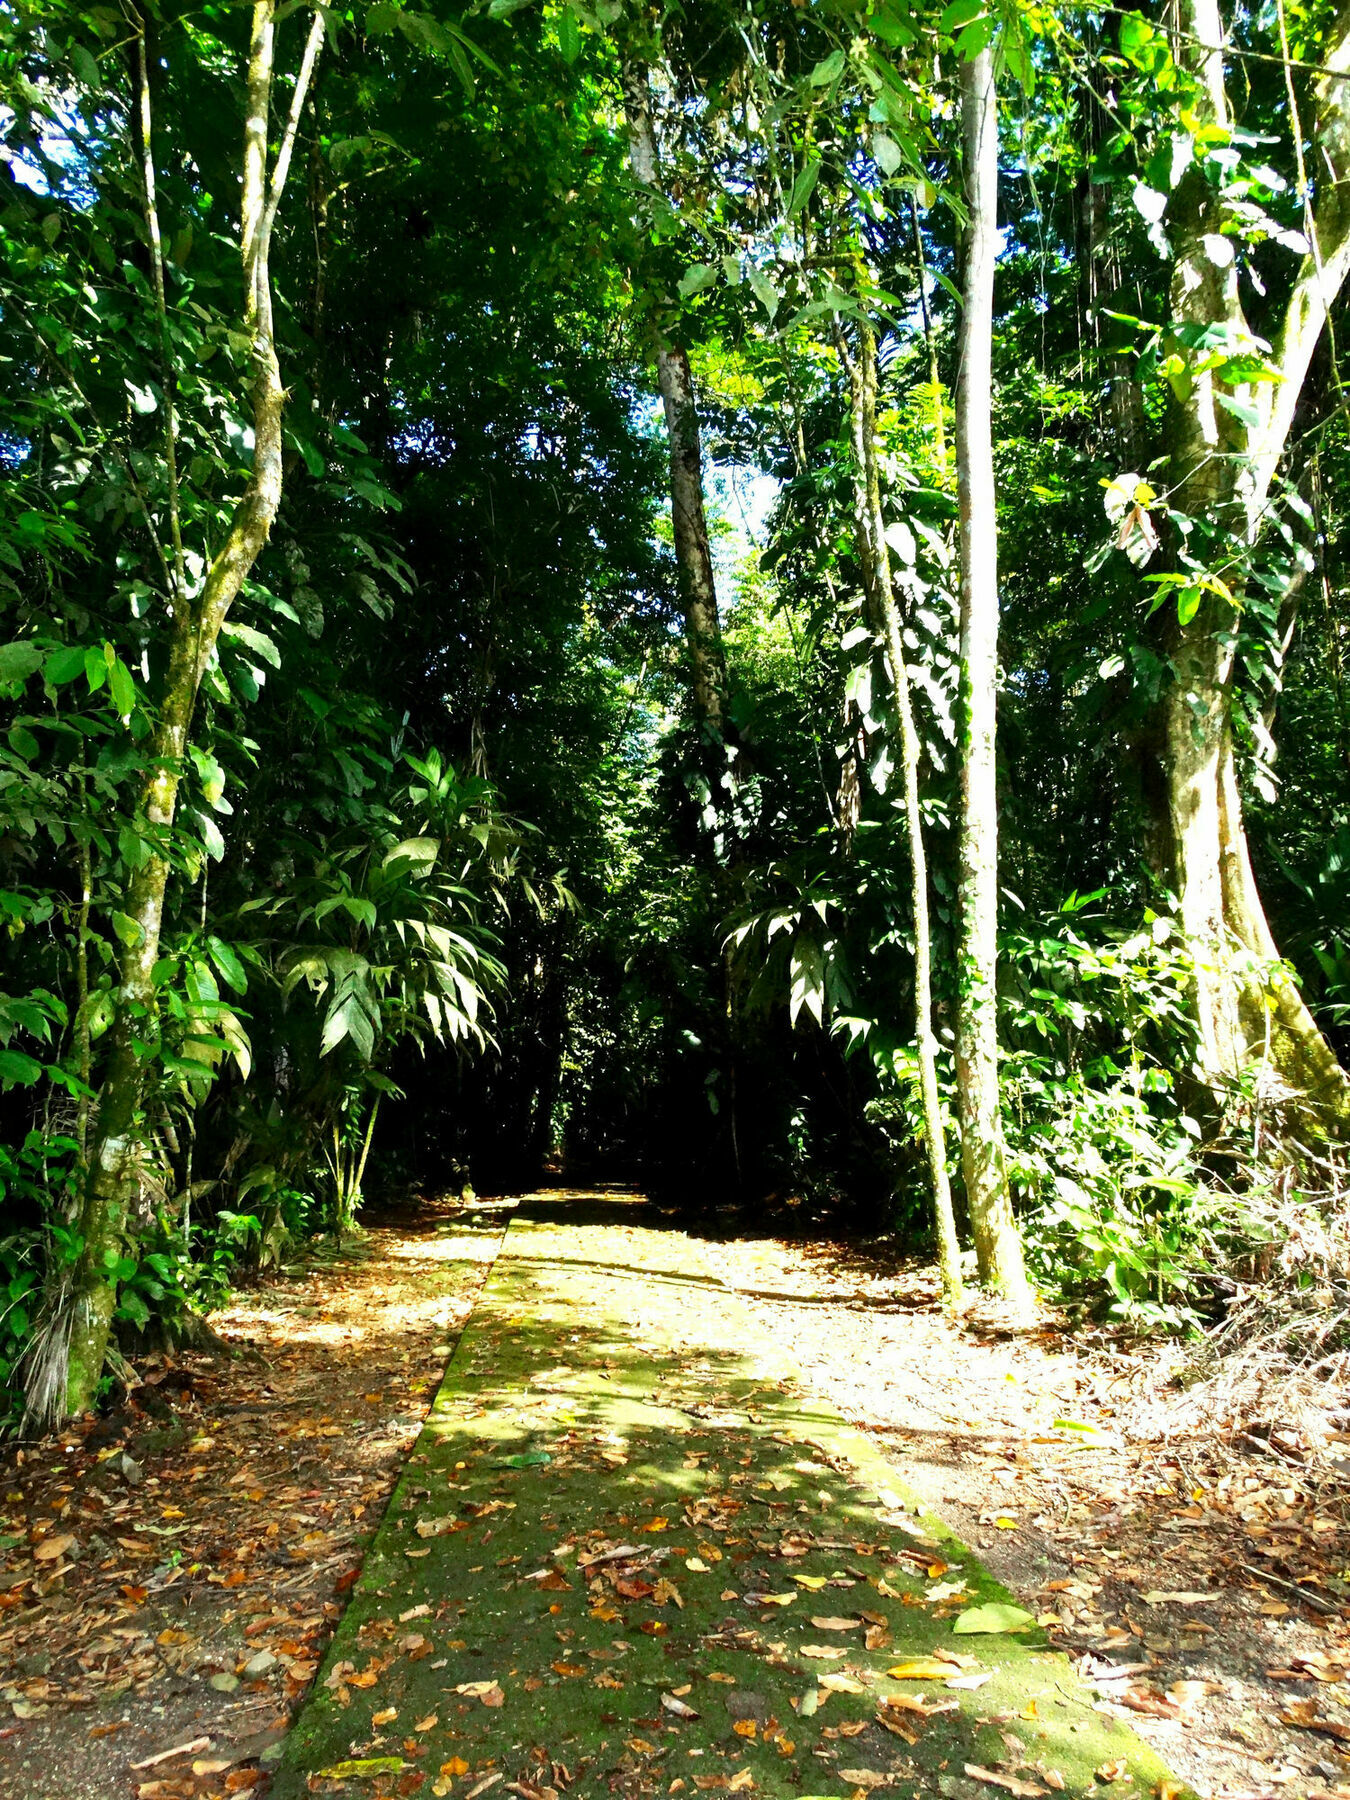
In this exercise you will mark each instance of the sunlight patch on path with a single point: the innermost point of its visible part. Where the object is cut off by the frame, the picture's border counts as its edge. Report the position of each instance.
(629, 1556)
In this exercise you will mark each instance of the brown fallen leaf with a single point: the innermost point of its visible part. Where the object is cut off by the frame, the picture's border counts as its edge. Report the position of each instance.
(915, 1703)
(52, 1549)
(822, 1652)
(487, 1691)
(837, 1624)
(1111, 1771)
(866, 1779)
(430, 1723)
(385, 1716)
(1026, 1790)
(679, 1708)
(1303, 1713)
(433, 1528)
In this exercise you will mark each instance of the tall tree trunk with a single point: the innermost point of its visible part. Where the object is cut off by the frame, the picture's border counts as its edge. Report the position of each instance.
(998, 1243)
(693, 552)
(1248, 1009)
(875, 557)
(195, 623)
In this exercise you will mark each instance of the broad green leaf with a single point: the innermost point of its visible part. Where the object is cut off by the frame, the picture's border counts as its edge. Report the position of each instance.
(422, 850)
(887, 153)
(122, 688)
(694, 280)
(64, 665)
(127, 929)
(1188, 602)
(16, 1069)
(257, 641)
(803, 187)
(18, 661)
(228, 963)
(569, 35)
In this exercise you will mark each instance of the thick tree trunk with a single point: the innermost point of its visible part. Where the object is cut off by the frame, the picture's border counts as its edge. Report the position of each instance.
(998, 1243)
(1247, 1007)
(874, 554)
(693, 551)
(195, 624)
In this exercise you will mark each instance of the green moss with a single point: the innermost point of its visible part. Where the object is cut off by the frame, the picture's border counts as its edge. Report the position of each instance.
(671, 1426)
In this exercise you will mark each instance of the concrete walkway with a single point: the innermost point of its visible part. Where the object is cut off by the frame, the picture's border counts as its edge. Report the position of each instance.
(630, 1556)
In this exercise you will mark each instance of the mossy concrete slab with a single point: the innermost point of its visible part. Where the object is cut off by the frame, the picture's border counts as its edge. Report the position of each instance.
(629, 1555)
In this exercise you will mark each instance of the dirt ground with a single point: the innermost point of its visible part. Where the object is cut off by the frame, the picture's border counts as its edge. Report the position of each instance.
(172, 1574)
(1173, 1570)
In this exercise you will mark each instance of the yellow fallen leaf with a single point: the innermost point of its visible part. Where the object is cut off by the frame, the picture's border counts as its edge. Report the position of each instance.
(384, 1716)
(455, 1766)
(924, 1668)
(810, 1581)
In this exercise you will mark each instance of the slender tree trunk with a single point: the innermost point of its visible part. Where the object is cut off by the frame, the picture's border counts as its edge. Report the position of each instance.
(876, 560)
(693, 551)
(195, 624)
(998, 1243)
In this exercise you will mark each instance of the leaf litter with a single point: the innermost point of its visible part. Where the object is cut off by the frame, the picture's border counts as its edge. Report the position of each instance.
(1206, 1552)
(170, 1574)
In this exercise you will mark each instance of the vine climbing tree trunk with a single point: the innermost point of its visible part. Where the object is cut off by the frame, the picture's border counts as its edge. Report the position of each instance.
(998, 1243)
(62, 1376)
(874, 553)
(1225, 441)
(693, 550)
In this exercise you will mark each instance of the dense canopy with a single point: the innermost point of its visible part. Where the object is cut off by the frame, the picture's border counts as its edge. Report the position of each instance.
(752, 595)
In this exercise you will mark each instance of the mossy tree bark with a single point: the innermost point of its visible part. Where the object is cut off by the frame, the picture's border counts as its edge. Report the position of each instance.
(998, 1243)
(194, 625)
(1222, 466)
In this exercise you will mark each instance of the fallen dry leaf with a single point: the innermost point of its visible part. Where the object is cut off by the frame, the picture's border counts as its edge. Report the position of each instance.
(1026, 1790)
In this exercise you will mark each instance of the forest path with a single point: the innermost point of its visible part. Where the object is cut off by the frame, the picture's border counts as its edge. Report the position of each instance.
(629, 1555)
